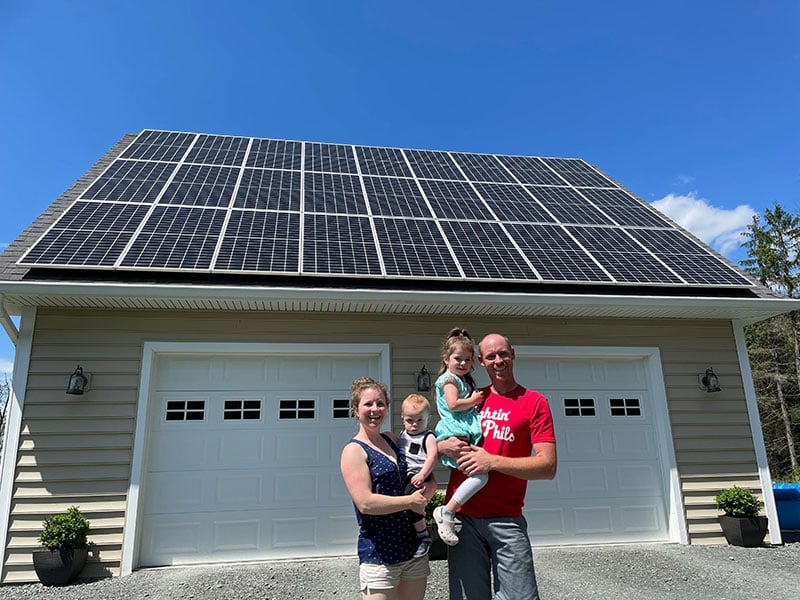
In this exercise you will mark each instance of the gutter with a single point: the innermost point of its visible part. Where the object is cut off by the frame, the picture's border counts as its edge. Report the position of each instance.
(181, 296)
(8, 324)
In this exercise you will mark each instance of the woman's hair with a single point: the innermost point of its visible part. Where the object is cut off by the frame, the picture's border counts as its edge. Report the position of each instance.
(416, 403)
(361, 384)
(457, 339)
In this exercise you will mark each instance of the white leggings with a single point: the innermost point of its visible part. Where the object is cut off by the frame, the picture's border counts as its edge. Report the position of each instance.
(469, 487)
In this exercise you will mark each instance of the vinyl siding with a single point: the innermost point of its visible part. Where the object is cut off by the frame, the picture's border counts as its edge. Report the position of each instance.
(77, 449)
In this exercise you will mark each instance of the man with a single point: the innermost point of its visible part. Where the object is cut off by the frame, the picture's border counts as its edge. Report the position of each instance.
(518, 444)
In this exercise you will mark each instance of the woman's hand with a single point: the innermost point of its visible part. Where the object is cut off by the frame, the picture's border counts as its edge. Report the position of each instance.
(417, 502)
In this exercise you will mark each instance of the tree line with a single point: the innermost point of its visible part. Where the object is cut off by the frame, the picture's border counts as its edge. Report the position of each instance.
(773, 258)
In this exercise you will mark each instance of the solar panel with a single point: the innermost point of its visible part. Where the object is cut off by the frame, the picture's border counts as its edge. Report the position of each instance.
(261, 241)
(189, 202)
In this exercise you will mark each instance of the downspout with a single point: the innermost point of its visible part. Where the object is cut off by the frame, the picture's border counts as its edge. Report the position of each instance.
(8, 324)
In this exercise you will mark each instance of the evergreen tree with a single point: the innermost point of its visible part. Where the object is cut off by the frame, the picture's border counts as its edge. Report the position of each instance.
(774, 346)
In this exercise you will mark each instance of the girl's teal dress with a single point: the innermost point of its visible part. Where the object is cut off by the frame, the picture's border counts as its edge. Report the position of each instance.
(465, 424)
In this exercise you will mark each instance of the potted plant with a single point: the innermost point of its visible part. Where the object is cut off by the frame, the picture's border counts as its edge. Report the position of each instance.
(741, 523)
(438, 549)
(64, 547)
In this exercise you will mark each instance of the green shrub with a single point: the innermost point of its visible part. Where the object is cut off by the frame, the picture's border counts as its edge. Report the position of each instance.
(65, 531)
(436, 500)
(738, 502)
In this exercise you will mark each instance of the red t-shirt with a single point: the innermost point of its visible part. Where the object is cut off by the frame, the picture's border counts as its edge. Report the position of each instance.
(511, 425)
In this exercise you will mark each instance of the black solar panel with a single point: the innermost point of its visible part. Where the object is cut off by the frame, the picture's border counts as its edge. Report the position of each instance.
(261, 241)
(190, 202)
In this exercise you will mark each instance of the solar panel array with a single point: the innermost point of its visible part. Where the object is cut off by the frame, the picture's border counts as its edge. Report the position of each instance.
(208, 203)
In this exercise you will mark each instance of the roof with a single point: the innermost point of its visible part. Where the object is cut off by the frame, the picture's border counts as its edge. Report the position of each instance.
(455, 233)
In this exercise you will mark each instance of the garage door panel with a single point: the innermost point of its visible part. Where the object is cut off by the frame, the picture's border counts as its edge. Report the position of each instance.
(236, 535)
(300, 448)
(580, 443)
(638, 477)
(585, 480)
(297, 489)
(245, 449)
(174, 492)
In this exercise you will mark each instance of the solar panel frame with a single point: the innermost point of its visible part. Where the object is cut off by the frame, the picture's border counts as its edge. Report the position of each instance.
(625, 209)
(512, 203)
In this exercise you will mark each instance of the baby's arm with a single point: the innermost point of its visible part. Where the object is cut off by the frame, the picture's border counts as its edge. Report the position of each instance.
(427, 467)
(457, 404)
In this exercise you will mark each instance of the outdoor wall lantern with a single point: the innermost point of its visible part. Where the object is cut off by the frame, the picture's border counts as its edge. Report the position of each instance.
(709, 381)
(423, 380)
(78, 382)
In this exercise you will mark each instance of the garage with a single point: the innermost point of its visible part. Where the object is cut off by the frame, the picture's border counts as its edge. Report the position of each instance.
(613, 444)
(243, 451)
(242, 457)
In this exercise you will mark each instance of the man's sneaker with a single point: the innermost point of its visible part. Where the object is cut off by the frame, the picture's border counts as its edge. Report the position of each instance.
(424, 542)
(446, 526)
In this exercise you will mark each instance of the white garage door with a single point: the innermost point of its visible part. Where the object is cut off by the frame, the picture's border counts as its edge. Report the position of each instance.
(610, 485)
(242, 458)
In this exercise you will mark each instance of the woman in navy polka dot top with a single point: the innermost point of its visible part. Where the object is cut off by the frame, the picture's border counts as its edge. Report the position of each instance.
(374, 472)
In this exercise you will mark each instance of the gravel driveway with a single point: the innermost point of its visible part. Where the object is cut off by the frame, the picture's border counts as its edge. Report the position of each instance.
(630, 572)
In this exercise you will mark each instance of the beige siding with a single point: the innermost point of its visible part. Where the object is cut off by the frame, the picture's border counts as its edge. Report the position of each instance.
(77, 449)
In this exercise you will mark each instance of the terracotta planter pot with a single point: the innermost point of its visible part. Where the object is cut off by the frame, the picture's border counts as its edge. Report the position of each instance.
(744, 531)
(59, 567)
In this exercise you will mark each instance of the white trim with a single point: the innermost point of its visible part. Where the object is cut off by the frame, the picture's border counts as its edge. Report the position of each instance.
(114, 295)
(678, 531)
(16, 400)
(151, 352)
(8, 324)
(757, 434)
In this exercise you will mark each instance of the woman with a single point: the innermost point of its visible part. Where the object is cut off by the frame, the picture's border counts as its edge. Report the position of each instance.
(374, 473)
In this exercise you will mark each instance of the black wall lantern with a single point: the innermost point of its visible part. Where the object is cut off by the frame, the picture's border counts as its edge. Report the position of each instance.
(77, 382)
(710, 381)
(423, 380)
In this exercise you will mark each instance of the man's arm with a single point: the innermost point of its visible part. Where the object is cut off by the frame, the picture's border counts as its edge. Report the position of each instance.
(542, 465)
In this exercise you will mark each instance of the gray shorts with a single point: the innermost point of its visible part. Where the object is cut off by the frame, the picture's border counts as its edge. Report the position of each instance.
(509, 560)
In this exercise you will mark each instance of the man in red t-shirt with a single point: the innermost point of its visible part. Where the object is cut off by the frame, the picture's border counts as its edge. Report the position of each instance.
(518, 444)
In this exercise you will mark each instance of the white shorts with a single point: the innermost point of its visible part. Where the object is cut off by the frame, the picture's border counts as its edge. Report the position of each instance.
(385, 577)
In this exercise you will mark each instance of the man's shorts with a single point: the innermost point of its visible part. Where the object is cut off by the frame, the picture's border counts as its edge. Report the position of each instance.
(384, 577)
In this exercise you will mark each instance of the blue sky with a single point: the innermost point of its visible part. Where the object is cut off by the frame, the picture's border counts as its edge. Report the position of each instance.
(690, 105)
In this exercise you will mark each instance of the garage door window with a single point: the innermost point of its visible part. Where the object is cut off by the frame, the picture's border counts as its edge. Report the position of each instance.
(186, 410)
(579, 407)
(341, 408)
(625, 407)
(298, 409)
(242, 410)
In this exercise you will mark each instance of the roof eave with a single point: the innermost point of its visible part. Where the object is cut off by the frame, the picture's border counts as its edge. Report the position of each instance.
(365, 300)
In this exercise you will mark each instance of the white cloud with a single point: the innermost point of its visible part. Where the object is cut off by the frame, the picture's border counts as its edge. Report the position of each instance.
(720, 228)
(684, 179)
(6, 367)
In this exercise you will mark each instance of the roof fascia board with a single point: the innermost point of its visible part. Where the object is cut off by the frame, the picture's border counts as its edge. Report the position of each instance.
(764, 307)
